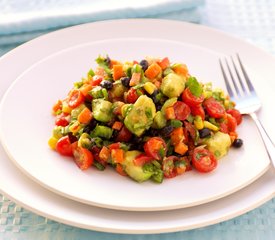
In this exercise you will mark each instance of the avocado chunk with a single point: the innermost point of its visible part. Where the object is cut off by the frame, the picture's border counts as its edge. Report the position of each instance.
(218, 144)
(140, 117)
(173, 85)
(102, 110)
(159, 120)
(135, 172)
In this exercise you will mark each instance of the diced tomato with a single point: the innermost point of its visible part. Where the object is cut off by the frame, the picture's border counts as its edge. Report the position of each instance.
(75, 98)
(168, 167)
(155, 147)
(214, 108)
(131, 95)
(198, 111)
(182, 110)
(124, 135)
(96, 80)
(190, 99)
(63, 146)
(141, 159)
(187, 162)
(82, 157)
(236, 114)
(62, 120)
(203, 160)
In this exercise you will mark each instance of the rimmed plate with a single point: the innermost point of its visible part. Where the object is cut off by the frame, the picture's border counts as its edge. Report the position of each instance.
(21, 189)
(25, 129)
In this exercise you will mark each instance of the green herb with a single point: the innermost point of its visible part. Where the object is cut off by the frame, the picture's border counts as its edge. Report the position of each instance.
(101, 61)
(176, 123)
(194, 86)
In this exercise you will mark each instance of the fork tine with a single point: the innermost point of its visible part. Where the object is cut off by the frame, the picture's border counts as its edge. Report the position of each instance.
(249, 84)
(233, 79)
(228, 87)
(238, 75)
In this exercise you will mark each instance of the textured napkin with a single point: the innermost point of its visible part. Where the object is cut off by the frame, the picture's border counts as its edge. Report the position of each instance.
(22, 20)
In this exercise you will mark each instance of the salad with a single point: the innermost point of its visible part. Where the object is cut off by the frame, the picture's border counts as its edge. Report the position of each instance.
(148, 119)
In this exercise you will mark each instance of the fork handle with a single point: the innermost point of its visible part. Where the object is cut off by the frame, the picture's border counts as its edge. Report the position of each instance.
(269, 145)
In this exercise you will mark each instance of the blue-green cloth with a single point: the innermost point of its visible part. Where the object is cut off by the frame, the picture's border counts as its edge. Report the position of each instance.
(22, 20)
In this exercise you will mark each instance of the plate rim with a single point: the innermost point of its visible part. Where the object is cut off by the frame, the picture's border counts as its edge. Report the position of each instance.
(268, 196)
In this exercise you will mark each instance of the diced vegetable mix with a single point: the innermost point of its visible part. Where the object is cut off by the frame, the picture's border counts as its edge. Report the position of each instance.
(148, 120)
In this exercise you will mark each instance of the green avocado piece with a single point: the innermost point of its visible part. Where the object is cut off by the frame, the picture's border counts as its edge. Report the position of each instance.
(140, 117)
(102, 110)
(135, 172)
(173, 85)
(168, 103)
(159, 120)
(218, 144)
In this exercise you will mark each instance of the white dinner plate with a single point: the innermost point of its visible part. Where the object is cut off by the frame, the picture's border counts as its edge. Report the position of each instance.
(51, 78)
(21, 189)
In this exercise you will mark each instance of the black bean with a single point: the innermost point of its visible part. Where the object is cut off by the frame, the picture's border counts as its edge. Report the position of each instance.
(205, 132)
(144, 64)
(106, 84)
(107, 60)
(237, 143)
(166, 131)
(88, 128)
(125, 81)
(158, 107)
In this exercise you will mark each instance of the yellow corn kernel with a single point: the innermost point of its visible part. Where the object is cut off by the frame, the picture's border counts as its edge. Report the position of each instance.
(149, 87)
(66, 108)
(210, 126)
(199, 124)
(52, 142)
(75, 127)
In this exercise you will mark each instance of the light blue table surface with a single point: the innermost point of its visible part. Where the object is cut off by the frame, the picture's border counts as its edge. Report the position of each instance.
(251, 20)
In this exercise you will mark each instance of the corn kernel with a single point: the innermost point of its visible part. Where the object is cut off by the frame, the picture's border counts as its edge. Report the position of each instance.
(149, 87)
(66, 108)
(210, 126)
(52, 142)
(199, 124)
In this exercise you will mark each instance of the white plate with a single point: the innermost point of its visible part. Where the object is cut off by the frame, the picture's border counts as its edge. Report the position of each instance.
(51, 79)
(30, 195)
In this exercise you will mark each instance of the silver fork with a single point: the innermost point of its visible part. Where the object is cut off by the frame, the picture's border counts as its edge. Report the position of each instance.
(242, 92)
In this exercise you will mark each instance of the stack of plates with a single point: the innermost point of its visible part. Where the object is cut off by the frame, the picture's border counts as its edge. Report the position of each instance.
(41, 71)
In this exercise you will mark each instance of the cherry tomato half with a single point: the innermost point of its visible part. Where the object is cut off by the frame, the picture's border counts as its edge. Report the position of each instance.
(155, 147)
(203, 160)
(96, 80)
(141, 159)
(236, 114)
(75, 98)
(231, 123)
(191, 99)
(62, 120)
(214, 108)
(198, 111)
(168, 167)
(182, 110)
(82, 157)
(63, 146)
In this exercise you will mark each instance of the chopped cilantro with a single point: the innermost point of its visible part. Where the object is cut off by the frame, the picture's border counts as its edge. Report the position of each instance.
(194, 86)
